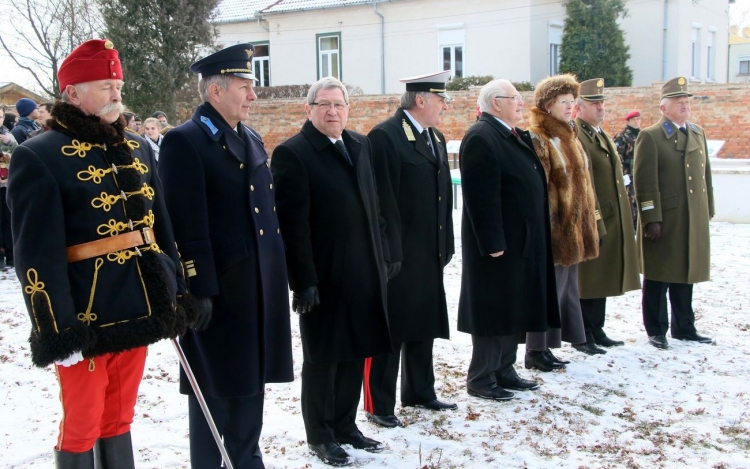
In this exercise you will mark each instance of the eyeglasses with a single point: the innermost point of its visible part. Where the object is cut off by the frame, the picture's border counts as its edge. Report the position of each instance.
(565, 102)
(326, 105)
(517, 97)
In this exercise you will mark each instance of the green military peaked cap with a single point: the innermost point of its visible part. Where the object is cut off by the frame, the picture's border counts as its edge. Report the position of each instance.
(592, 90)
(675, 87)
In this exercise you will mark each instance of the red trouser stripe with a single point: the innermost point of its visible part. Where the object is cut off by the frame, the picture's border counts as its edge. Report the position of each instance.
(366, 386)
(98, 397)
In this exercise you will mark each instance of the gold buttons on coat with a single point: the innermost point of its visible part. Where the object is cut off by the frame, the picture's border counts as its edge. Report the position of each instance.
(688, 165)
(257, 210)
(261, 232)
(270, 186)
(252, 188)
(690, 178)
(691, 191)
(278, 231)
(242, 165)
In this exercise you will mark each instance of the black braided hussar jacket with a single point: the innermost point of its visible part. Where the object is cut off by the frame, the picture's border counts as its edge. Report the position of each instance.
(82, 181)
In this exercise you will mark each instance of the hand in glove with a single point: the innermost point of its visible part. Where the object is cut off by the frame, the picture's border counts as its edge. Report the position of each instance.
(652, 230)
(305, 300)
(205, 309)
(392, 269)
(74, 358)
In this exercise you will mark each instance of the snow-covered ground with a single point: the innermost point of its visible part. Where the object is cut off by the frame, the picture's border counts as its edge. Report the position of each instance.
(635, 407)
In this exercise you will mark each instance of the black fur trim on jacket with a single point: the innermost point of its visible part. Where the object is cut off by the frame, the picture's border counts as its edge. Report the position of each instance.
(167, 319)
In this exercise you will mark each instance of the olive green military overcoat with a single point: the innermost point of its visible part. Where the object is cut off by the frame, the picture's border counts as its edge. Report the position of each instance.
(672, 177)
(615, 271)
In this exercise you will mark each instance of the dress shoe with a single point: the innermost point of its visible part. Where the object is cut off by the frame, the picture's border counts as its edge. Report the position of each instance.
(517, 383)
(332, 454)
(600, 338)
(555, 361)
(434, 405)
(387, 421)
(493, 392)
(694, 337)
(589, 348)
(658, 341)
(359, 441)
(540, 361)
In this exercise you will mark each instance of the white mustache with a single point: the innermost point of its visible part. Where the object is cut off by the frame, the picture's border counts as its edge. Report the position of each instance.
(110, 108)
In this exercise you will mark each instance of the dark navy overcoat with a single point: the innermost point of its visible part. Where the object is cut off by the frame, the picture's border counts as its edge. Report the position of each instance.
(220, 196)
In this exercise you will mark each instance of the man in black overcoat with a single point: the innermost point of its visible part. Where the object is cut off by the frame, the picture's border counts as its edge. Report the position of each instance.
(336, 253)
(508, 283)
(220, 195)
(414, 186)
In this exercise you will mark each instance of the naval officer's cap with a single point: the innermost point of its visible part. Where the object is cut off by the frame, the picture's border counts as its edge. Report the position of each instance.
(431, 83)
(235, 60)
(675, 88)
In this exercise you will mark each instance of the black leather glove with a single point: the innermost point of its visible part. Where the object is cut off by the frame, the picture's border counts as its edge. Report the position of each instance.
(392, 269)
(601, 240)
(305, 300)
(652, 231)
(205, 309)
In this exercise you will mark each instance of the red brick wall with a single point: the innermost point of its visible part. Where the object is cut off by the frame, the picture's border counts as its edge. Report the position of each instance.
(722, 110)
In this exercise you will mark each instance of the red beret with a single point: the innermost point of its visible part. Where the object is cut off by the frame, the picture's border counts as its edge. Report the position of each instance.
(632, 114)
(95, 59)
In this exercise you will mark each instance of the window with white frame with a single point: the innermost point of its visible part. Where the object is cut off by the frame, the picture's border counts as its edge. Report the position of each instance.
(554, 34)
(711, 56)
(744, 65)
(262, 64)
(329, 55)
(451, 47)
(695, 53)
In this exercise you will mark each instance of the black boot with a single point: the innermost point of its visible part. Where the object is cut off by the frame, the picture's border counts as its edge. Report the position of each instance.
(114, 453)
(66, 460)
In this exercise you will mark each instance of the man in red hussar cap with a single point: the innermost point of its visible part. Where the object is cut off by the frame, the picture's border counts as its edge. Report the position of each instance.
(95, 256)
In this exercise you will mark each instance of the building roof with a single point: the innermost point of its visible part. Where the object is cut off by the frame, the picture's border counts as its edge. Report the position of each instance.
(235, 11)
(301, 5)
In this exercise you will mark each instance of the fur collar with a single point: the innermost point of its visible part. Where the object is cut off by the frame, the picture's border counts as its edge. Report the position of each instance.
(550, 127)
(70, 120)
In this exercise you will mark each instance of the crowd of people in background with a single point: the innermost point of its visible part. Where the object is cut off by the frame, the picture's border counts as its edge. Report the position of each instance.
(358, 227)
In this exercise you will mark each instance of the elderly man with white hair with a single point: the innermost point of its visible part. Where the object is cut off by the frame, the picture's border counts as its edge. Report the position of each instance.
(508, 281)
(95, 256)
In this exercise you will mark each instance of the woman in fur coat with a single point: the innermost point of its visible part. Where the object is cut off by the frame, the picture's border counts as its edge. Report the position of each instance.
(572, 207)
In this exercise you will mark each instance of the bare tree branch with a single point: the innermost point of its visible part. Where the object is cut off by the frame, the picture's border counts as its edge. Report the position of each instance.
(42, 33)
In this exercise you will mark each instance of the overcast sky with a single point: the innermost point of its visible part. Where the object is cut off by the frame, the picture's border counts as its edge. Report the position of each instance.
(9, 71)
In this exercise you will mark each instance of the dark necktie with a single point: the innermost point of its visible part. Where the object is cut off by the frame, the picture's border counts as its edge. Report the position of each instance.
(515, 132)
(683, 130)
(426, 135)
(342, 148)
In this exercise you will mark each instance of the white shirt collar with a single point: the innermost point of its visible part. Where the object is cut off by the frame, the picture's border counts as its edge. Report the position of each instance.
(503, 122)
(414, 121)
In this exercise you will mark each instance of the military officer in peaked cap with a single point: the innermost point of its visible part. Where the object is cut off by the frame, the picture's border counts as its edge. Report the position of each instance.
(95, 256)
(414, 188)
(615, 271)
(672, 177)
(220, 195)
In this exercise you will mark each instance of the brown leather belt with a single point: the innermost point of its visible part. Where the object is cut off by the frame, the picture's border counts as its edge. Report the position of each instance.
(104, 246)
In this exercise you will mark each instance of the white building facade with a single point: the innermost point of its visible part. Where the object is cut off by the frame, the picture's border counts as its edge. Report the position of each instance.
(371, 44)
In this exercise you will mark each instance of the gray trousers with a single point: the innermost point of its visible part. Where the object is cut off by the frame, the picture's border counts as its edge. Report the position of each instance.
(571, 317)
(491, 357)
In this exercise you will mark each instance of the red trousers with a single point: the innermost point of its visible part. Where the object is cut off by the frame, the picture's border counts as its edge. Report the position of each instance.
(98, 397)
